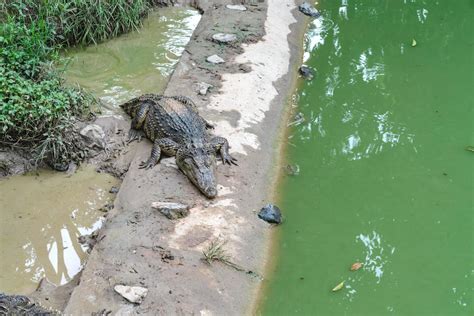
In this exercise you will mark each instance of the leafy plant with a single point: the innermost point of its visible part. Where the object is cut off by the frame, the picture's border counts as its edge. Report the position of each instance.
(36, 107)
(215, 252)
(37, 111)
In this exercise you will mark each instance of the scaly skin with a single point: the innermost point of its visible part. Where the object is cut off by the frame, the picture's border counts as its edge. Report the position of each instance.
(175, 127)
(22, 305)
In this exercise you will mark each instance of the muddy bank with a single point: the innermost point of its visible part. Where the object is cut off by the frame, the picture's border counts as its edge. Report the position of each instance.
(139, 246)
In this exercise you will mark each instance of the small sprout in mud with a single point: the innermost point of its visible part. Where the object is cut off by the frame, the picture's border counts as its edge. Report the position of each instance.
(413, 43)
(356, 266)
(215, 252)
(338, 287)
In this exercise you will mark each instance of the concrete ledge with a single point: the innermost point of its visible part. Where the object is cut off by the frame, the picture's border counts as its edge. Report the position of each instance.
(248, 108)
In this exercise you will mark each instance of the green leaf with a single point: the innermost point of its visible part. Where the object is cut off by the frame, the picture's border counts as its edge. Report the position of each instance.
(338, 287)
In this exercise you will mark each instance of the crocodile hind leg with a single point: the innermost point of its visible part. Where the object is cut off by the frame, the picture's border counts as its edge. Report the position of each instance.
(192, 106)
(221, 146)
(165, 145)
(137, 123)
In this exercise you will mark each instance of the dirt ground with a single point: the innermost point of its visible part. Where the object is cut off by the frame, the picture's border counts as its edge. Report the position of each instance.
(248, 105)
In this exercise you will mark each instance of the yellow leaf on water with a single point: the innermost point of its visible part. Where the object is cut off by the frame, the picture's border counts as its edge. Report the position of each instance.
(413, 43)
(338, 287)
(356, 266)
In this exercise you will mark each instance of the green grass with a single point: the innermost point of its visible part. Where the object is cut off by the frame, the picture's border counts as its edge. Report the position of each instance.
(37, 111)
(82, 21)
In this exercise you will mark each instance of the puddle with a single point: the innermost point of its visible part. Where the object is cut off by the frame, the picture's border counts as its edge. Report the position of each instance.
(135, 63)
(42, 215)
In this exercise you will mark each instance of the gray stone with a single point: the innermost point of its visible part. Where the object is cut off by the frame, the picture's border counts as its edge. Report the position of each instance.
(203, 87)
(309, 10)
(114, 190)
(171, 210)
(271, 214)
(215, 59)
(94, 135)
(237, 7)
(306, 72)
(133, 294)
(224, 38)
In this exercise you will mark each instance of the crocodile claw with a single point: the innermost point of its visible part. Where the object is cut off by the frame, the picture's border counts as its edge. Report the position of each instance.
(228, 159)
(146, 165)
(134, 135)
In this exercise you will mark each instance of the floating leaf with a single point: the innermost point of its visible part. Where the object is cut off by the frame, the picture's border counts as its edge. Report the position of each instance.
(470, 148)
(338, 287)
(413, 43)
(356, 266)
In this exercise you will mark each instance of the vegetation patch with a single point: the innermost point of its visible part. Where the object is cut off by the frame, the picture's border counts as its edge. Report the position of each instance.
(75, 22)
(37, 111)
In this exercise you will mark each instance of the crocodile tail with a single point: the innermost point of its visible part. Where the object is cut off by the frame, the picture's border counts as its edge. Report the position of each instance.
(132, 106)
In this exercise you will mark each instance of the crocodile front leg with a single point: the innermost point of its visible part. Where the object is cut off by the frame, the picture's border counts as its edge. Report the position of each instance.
(167, 145)
(137, 123)
(221, 146)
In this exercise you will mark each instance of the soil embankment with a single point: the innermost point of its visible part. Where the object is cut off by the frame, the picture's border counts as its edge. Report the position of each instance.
(139, 246)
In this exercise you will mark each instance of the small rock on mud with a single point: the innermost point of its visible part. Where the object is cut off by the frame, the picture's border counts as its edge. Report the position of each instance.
(133, 294)
(203, 88)
(306, 72)
(94, 135)
(114, 190)
(245, 68)
(271, 214)
(224, 38)
(89, 240)
(215, 59)
(309, 10)
(237, 7)
(171, 210)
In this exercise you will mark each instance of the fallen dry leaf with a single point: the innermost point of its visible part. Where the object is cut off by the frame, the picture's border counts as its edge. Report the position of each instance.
(356, 266)
(338, 287)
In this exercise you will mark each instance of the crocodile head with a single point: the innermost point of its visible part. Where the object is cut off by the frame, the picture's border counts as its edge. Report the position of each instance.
(199, 165)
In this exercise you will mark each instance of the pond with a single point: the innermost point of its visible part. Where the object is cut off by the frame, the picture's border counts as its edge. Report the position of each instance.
(385, 179)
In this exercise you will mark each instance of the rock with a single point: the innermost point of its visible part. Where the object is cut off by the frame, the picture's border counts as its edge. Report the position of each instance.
(215, 59)
(171, 210)
(133, 294)
(308, 9)
(224, 38)
(271, 214)
(94, 135)
(306, 72)
(114, 190)
(245, 68)
(237, 7)
(203, 87)
(292, 170)
(89, 240)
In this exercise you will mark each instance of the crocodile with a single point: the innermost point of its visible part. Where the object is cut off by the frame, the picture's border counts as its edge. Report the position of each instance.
(22, 305)
(175, 127)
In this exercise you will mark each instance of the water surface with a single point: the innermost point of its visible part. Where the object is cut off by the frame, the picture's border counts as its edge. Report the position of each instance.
(135, 63)
(42, 215)
(384, 177)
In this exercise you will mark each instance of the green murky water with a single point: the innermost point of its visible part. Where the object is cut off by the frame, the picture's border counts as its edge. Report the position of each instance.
(41, 217)
(384, 175)
(135, 63)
